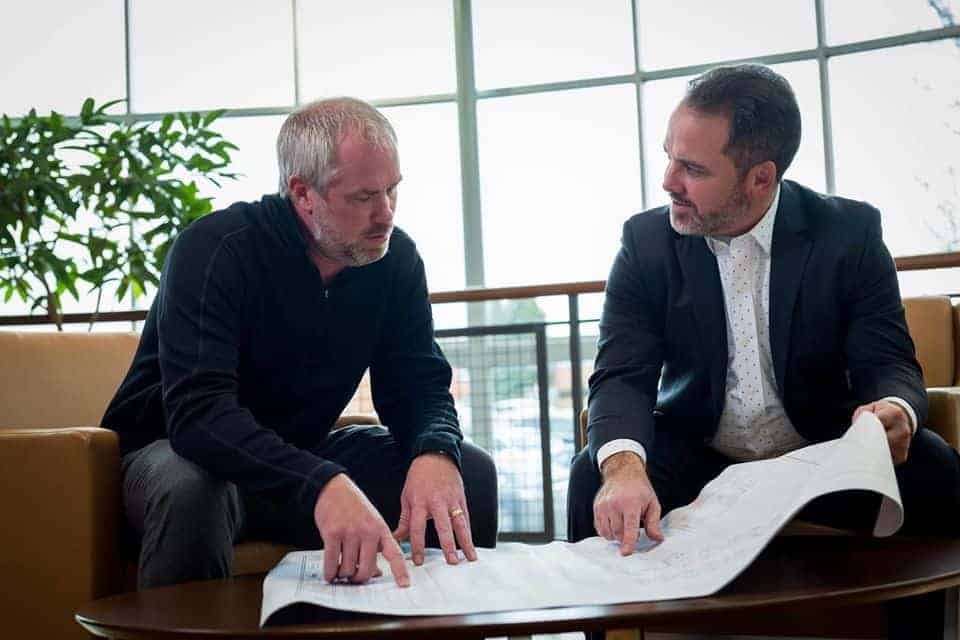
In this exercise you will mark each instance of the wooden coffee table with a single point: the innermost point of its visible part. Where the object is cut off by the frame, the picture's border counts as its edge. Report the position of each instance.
(795, 573)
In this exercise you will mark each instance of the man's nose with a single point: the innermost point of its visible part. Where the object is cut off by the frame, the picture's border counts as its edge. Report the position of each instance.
(383, 210)
(671, 179)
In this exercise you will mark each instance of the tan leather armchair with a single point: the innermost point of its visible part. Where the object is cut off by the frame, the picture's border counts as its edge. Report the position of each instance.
(60, 481)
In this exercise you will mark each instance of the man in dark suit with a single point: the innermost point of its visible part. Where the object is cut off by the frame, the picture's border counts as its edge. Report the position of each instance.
(749, 318)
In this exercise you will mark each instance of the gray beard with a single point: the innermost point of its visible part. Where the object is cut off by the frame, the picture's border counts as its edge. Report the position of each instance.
(331, 246)
(733, 211)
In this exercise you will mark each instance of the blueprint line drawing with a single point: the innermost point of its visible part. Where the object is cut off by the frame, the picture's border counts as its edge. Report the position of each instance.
(707, 544)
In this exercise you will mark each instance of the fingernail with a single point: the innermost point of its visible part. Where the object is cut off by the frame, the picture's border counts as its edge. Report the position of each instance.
(452, 558)
(418, 559)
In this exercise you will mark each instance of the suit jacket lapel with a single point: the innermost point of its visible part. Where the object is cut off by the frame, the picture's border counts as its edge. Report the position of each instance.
(705, 292)
(789, 253)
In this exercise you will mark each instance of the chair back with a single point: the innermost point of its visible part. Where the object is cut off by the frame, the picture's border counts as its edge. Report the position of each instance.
(934, 323)
(54, 379)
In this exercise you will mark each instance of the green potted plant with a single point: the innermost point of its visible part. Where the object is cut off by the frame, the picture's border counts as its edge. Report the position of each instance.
(97, 199)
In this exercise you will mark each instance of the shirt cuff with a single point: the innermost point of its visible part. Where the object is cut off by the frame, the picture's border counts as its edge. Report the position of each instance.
(619, 445)
(911, 414)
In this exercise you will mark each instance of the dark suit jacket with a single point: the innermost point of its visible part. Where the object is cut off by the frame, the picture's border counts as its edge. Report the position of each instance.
(838, 335)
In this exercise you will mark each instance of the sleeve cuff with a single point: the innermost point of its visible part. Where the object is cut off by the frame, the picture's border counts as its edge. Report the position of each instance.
(911, 414)
(619, 445)
(315, 484)
(438, 443)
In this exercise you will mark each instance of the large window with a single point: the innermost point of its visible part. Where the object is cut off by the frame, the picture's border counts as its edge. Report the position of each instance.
(524, 43)
(528, 133)
(693, 32)
(186, 54)
(558, 176)
(374, 49)
(42, 67)
(897, 142)
(567, 110)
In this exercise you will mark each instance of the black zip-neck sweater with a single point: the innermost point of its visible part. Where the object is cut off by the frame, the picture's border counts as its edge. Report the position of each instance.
(247, 357)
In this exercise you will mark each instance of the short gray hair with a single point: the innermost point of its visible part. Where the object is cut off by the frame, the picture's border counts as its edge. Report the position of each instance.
(307, 143)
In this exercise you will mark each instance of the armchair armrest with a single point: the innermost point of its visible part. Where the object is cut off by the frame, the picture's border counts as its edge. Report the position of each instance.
(60, 490)
(944, 418)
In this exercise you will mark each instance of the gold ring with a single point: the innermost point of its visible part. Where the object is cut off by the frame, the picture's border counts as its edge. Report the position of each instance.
(456, 512)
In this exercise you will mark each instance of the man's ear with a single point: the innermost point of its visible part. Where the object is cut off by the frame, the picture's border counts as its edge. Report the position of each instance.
(302, 195)
(762, 178)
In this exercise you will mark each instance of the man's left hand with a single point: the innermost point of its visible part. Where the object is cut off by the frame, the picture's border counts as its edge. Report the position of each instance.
(434, 489)
(895, 422)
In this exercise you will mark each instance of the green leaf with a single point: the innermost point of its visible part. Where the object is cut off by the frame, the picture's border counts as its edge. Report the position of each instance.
(213, 115)
(122, 288)
(87, 109)
(106, 105)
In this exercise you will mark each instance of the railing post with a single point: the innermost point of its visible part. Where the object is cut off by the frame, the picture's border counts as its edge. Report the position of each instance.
(576, 373)
(546, 456)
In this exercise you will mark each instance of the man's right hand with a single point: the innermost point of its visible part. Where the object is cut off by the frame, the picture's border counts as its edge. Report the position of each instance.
(353, 532)
(626, 500)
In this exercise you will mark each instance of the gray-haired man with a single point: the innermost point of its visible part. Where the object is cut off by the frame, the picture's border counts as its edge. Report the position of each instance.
(267, 316)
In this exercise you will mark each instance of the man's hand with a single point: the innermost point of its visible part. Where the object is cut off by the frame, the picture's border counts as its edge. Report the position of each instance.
(624, 501)
(353, 531)
(434, 489)
(895, 422)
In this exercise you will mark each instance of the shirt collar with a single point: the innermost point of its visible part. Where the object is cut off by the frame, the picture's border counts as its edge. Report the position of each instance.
(762, 232)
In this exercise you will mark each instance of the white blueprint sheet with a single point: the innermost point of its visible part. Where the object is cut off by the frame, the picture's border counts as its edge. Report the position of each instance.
(708, 543)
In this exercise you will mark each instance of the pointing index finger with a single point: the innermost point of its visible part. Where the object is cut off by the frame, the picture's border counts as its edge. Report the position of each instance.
(393, 555)
(631, 532)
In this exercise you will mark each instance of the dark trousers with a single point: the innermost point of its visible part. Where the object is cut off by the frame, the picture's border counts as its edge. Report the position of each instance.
(929, 484)
(186, 521)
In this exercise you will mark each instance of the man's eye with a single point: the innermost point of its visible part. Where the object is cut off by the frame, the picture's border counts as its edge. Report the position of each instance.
(363, 198)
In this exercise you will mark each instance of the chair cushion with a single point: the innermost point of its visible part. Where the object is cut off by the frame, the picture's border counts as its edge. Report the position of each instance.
(258, 557)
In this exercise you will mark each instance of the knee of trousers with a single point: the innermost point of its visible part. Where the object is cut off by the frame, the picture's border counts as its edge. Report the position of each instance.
(480, 485)
(194, 501)
(582, 488)
(584, 482)
(930, 486)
